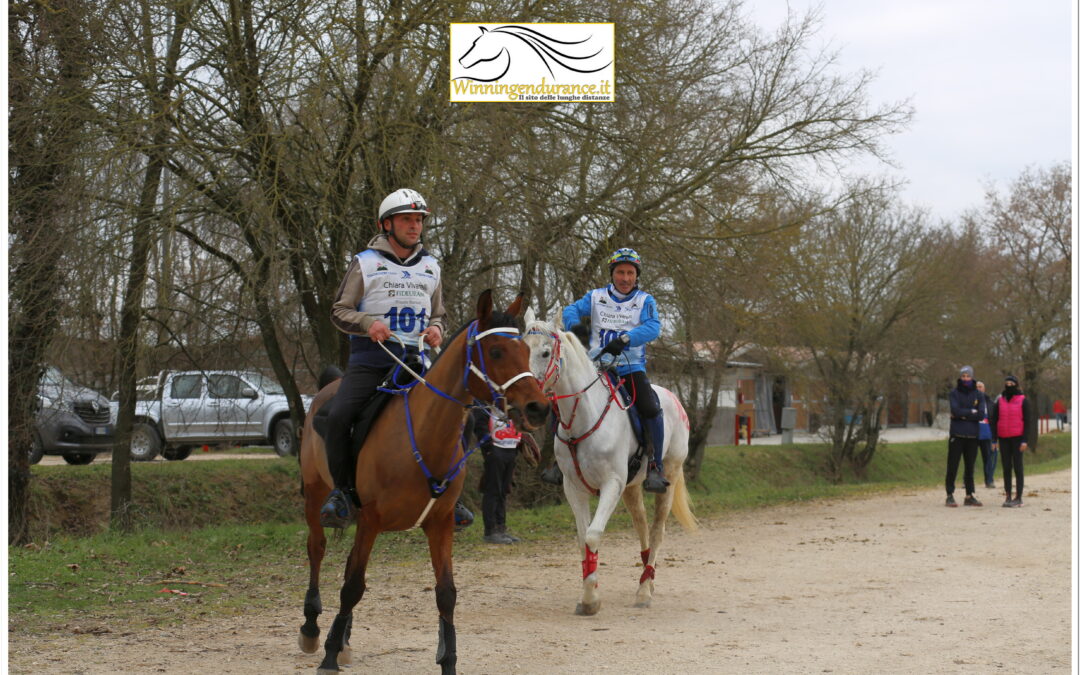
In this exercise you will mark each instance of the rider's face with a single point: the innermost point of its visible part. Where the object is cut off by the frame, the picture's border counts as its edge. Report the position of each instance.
(624, 276)
(407, 228)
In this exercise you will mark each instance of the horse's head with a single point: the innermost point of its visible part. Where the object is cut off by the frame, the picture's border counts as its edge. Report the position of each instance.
(500, 369)
(484, 48)
(545, 350)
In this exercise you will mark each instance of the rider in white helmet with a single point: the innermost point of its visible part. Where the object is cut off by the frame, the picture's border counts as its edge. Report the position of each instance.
(393, 286)
(623, 320)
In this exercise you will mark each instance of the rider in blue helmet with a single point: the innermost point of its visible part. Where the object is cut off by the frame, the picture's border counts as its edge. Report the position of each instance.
(623, 320)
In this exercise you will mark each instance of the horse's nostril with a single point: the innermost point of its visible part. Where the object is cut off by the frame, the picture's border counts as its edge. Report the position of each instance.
(536, 412)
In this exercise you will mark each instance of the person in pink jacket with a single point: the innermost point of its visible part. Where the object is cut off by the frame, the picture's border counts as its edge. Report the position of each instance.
(1012, 422)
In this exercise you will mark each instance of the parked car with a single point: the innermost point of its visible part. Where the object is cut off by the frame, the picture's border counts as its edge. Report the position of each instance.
(72, 421)
(179, 410)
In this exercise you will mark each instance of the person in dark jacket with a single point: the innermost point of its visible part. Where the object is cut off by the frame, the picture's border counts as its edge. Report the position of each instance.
(1012, 422)
(967, 406)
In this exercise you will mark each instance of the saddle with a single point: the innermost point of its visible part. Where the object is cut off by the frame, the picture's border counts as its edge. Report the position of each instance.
(371, 409)
(637, 458)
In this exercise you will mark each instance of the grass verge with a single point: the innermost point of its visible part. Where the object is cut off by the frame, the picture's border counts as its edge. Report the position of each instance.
(196, 534)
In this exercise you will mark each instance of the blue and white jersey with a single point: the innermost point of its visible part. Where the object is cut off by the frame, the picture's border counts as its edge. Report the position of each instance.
(400, 296)
(612, 316)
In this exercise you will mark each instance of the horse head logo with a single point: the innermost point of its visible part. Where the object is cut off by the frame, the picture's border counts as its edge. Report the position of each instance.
(505, 45)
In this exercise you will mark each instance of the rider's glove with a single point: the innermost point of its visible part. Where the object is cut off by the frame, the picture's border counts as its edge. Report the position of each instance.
(616, 346)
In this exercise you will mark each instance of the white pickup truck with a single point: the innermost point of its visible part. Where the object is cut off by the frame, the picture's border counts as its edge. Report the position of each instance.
(179, 410)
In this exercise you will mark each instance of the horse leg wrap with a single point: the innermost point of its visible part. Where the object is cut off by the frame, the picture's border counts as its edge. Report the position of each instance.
(645, 556)
(649, 573)
(312, 610)
(588, 565)
(446, 656)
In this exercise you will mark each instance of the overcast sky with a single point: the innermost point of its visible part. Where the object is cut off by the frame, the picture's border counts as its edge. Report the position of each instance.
(990, 81)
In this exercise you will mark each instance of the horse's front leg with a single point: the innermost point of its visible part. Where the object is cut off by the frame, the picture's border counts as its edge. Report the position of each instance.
(337, 640)
(610, 492)
(440, 536)
(314, 494)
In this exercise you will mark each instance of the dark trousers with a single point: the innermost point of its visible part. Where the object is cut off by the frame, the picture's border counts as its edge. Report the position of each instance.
(1012, 458)
(356, 388)
(495, 484)
(989, 459)
(968, 448)
(652, 415)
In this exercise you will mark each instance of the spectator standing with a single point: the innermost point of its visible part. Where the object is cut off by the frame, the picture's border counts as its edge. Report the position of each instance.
(1061, 414)
(499, 441)
(987, 448)
(1012, 421)
(967, 406)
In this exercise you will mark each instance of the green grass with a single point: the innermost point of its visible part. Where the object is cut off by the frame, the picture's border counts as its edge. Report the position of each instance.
(194, 526)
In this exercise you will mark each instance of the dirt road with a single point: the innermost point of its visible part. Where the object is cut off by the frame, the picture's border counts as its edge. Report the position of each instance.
(894, 583)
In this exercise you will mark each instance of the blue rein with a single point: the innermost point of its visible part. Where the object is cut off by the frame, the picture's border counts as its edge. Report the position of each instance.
(436, 486)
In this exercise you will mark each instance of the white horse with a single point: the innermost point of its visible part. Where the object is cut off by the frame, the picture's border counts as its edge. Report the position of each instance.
(593, 444)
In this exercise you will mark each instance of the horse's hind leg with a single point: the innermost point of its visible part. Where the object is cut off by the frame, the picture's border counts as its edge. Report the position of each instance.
(633, 498)
(316, 550)
(440, 537)
(336, 646)
(656, 537)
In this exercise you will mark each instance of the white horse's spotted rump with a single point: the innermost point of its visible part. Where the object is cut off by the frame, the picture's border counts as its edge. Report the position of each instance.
(566, 372)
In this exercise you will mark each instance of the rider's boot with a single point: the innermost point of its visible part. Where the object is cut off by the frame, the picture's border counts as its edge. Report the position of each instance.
(654, 436)
(463, 517)
(552, 474)
(338, 510)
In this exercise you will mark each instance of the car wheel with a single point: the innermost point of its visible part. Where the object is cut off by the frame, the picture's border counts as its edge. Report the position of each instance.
(37, 449)
(176, 454)
(78, 457)
(284, 440)
(145, 442)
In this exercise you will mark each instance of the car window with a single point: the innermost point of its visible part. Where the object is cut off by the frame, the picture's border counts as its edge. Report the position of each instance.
(186, 386)
(225, 386)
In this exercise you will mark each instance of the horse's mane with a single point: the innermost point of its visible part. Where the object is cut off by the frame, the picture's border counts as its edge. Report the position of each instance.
(498, 320)
(545, 47)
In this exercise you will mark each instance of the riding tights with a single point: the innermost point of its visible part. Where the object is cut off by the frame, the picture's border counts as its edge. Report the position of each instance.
(356, 389)
(1012, 458)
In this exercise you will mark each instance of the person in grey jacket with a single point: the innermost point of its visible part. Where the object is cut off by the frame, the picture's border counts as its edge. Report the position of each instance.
(967, 407)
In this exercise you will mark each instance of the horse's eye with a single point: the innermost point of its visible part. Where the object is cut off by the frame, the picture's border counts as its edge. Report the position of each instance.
(546, 355)
(496, 353)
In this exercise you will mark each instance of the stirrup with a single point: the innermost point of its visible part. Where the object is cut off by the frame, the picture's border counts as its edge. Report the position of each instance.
(337, 511)
(655, 481)
(552, 475)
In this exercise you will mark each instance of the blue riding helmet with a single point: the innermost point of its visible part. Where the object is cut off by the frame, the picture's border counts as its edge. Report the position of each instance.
(624, 255)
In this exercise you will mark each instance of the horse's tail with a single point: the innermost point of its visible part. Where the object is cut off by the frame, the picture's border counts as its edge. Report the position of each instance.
(680, 504)
(329, 374)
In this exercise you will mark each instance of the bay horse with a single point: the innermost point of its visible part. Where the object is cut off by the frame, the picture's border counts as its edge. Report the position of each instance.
(410, 469)
(594, 441)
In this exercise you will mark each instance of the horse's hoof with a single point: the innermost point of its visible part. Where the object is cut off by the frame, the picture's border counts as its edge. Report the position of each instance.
(309, 645)
(344, 657)
(587, 609)
(643, 604)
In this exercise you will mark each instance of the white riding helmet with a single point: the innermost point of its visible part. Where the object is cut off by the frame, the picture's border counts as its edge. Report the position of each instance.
(403, 201)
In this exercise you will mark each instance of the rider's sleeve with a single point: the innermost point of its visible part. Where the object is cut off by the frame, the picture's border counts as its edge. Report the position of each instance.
(573, 314)
(649, 329)
(343, 314)
(438, 311)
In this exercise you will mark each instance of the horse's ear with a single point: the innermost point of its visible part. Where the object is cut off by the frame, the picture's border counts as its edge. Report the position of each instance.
(530, 316)
(483, 308)
(483, 30)
(515, 307)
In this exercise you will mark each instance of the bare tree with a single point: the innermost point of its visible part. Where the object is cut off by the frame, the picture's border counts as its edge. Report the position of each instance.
(50, 75)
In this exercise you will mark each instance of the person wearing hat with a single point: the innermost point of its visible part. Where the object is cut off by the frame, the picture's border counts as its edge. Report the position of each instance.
(369, 308)
(622, 319)
(967, 407)
(1012, 422)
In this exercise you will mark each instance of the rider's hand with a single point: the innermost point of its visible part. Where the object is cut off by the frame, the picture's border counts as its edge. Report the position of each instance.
(379, 332)
(433, 335)
(616, 346)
